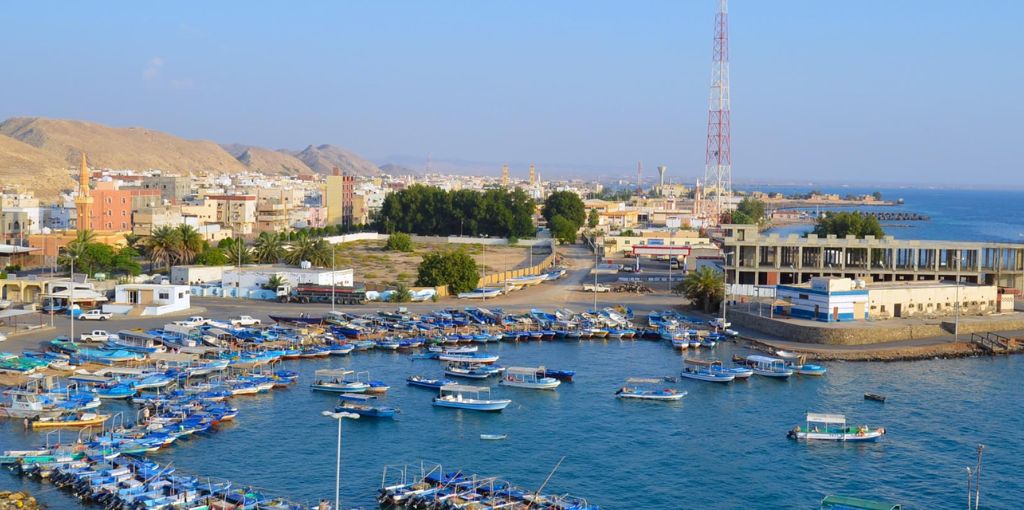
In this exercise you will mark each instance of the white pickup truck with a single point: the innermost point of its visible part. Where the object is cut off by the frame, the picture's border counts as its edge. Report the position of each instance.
(196, 320)
(95, 315)
(97, 335)
(596, 287)
(244, 320)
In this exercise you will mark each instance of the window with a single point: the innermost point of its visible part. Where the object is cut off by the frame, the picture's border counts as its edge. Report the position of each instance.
(804, 296)
(165, 295)
(882, 309)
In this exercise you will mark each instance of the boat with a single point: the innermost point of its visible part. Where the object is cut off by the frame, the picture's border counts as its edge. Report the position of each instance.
(832, 427)
(71, 421)
(300, 319)
(136, 341)
(529, 378)
(334, 380)
(493, 437)
(471, 370)
(701, 370)
(469, 357)
(738, 372)
(481, 293)
(423, 382)
(768, 367)
(874, 396)
(357, 397)
(798, 362)
(27, 404)
(561, 375)
(639, 388)
(366, 410)
(455, 396)
(847, 503)
(520, 281)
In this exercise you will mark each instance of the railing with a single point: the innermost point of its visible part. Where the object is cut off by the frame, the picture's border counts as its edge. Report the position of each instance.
(992, 342)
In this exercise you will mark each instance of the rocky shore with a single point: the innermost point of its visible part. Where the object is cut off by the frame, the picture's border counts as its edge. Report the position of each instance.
(903, 353)
(18, 501)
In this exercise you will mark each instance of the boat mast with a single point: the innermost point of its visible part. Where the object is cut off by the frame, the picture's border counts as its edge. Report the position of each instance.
(546, 480)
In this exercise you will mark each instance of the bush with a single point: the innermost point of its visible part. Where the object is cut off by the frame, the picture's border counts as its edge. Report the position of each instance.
(562, 229)
(399, 241)
(454, 268)
(402, 294)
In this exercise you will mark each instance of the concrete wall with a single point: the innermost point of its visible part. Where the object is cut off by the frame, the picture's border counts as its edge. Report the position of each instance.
(853, 335)
(931, 300)
(187, 275)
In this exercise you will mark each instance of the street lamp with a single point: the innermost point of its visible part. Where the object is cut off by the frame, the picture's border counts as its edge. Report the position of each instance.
(337, 468)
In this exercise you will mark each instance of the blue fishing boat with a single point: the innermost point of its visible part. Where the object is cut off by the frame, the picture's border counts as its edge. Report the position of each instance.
(335, 381)
(471, 370)
(638, 388)
(561, 375)
(768, 367)
(701, 370)
(366, 410)
(459, 396)
(423, 382)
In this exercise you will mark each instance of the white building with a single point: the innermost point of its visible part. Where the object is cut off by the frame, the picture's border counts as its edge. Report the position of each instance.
(150, 298)
(197, 275)
(249, 278)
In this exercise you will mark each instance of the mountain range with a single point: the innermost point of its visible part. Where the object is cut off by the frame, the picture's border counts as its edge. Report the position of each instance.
(41, 155)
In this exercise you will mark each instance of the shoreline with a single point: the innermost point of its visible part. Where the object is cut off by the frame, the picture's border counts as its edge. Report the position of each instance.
(944, 350)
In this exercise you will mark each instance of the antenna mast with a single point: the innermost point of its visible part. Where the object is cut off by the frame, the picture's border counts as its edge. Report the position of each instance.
(718, 155)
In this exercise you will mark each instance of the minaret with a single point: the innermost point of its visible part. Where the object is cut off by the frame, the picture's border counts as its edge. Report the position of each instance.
(533, 175)
(83, 204)
(504, 175)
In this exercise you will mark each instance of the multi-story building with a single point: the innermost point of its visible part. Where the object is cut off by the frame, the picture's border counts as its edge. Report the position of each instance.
(145, 220)
(111, 207)
(173, 188)
(20, 216)
(755, 258)
(236, 211)
(338, 196)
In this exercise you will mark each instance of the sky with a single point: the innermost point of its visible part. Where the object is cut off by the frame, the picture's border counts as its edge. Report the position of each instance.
(876, 91)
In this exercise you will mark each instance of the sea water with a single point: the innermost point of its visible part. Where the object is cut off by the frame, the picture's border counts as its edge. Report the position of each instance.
(722, 446)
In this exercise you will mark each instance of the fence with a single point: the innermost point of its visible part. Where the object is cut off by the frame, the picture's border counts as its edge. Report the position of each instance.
(540, 267)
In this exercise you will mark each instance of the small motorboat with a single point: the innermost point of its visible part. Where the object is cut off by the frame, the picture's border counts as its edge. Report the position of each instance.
(71, 421)
(874, 396)
(423, 382)
(643, 389)
(533, 378)
(366, 410)
(493, 437)
(468, 397)
(832, 427)
(701, 370)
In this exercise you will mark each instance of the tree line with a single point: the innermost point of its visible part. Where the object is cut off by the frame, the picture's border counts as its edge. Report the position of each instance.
(432, 211)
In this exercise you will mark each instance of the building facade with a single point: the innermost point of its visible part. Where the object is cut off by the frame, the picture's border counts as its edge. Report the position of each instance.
(173, 188)
(338, 196)
(823, 299)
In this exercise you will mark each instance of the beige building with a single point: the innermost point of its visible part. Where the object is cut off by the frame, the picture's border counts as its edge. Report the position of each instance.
(618, 246)
(933, 299)
(236, 211)
(145, 220)
(338, 197)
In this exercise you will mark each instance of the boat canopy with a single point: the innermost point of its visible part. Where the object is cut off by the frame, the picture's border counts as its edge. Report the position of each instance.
(763, 359)
(846, 502)
(464, 388)
(644, 380)
(524, 370)
(701, 362)
(826, 418)
(332, 372)
(136, 334)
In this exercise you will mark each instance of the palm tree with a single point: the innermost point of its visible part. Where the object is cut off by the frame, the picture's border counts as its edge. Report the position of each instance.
(704, 285)
(163, 246)
(76, 247)
(238, 252)
(269, 248)
(190, 244)
(316, 251)
(274, 282)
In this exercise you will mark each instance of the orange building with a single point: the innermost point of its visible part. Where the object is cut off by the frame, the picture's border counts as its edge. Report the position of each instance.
(112, 207)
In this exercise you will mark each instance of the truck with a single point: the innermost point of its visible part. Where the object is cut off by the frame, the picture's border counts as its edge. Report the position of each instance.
(596, 287)
(94, 315)
(97, 335)
(313, 293)
(196, 320)
(244, 320)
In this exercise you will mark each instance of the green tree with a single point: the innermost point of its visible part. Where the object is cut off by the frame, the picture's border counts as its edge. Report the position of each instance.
(399, 241)
(269, 248)
(236, 251)
(562, 229)
(316, 251)
(454, 268)
(846, 223)
(429, 210)
(705, 286)
(212, 256)
(124, 261)
(190, 244)
(274, 282)
(163, 246)
(593, 219)
(567, 205)
(877, 195)
(749, 211)
(402, 294)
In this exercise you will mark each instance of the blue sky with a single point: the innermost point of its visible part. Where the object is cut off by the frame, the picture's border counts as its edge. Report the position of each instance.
(870, 91)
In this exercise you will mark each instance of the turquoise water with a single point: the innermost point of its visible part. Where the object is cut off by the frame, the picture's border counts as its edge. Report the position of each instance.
(966, 215)
(723, 446)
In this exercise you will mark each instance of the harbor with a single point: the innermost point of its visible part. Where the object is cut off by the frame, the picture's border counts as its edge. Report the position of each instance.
(283, 438)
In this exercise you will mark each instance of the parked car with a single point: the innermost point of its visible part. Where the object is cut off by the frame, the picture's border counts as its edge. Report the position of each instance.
(590, 287)
(97, 335)
(94, 315)
(244, 320)
(719, 323)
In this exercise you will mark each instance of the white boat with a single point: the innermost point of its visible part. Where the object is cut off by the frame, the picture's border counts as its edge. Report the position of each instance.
(533, 378)
(335, 381)
(468, 357)
(25, 404)
(832, 427)
(799, 364)
(638, 388)
(701, 370)
(769, 367)
(481, 293)
(459, 396)
(526, 280)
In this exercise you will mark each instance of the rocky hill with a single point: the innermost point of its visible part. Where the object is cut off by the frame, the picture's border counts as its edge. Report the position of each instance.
(26, 168)
(323, 158)
(110, 147)
(266, 161)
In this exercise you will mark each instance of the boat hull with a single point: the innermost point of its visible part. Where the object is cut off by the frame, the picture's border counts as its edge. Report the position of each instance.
(492, 406)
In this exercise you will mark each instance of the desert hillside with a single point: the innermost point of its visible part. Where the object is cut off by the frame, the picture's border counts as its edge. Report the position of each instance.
(323, 158)
(26, 168)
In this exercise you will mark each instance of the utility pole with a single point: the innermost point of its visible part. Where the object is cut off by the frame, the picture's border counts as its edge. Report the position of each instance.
(71, 298)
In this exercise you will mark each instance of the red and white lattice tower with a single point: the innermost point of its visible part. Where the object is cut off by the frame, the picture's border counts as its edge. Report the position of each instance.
(718, 155)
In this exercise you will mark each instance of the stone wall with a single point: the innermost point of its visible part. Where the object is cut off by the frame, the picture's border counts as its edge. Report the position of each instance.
(849, 334)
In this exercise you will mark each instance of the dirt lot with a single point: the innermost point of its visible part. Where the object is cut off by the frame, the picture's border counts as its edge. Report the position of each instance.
(375, 266)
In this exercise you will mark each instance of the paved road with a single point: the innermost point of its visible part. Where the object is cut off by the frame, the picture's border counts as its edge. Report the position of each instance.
(563, 293)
